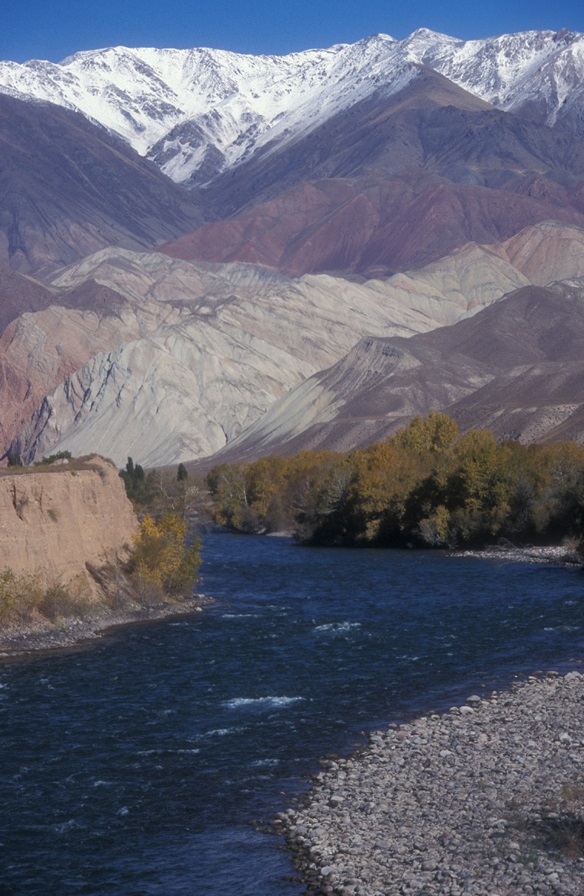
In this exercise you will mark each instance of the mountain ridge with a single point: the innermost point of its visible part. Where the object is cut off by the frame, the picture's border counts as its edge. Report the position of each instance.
(180, 360)
(164, 102)
(67, 189)
(337, 199)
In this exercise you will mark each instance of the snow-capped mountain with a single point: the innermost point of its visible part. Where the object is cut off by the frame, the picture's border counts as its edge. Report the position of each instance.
(206, 110)
(539, 72)
(333, 173)
(199, 112)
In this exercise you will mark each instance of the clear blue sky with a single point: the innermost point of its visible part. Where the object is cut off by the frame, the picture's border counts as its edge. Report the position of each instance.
(53, 29)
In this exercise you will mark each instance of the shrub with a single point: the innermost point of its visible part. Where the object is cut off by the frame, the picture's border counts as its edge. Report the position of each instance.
(161, 556)
(53, 458)
(19, 594)
(62, 601)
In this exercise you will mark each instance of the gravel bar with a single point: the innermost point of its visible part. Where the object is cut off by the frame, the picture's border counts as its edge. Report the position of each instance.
(20, 641)
(487, 799)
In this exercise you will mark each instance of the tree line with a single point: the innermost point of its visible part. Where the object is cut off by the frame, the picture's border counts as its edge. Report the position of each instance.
(428, 486)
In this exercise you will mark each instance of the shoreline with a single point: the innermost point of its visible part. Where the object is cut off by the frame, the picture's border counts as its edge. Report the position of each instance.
(550, 554)
(487, 798)
(27, 641)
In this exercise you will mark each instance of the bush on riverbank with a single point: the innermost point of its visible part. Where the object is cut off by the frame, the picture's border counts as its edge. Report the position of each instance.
(161, 560)
(23, 597)
(427, 486)
(162, 564)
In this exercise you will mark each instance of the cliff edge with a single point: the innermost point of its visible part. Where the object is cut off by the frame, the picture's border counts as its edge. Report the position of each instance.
(65, 535)
(55, 524)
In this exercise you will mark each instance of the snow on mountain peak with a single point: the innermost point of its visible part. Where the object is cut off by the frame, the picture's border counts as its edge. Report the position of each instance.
(196, 112)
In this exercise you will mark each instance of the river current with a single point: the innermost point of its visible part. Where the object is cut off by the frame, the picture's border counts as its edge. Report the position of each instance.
(151, 761)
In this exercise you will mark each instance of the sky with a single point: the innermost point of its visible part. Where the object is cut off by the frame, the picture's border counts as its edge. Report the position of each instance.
(54, 29)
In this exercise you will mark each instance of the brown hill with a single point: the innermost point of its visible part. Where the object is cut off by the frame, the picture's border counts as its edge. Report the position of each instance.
(391, 184)
(68, 188)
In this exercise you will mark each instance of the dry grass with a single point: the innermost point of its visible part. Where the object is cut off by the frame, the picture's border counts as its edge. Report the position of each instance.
(23, 597)
(73, 466)
(557, 827)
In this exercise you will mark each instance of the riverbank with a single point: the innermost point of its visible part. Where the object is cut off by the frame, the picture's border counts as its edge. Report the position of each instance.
(486, 799)
(555, 554)
(23, 639)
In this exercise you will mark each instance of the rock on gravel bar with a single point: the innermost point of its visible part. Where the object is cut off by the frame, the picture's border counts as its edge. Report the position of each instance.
(487, 799)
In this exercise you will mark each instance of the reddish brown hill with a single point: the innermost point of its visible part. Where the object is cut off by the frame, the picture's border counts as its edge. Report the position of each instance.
(372, 227)
(394, 183)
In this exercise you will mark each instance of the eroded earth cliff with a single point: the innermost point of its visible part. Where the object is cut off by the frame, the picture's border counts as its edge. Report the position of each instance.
(65, 533)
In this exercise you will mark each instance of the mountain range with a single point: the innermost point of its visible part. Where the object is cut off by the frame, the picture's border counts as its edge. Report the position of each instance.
(199, 112)
(205, 252)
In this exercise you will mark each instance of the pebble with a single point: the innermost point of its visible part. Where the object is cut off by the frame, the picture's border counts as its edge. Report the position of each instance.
(487, 799)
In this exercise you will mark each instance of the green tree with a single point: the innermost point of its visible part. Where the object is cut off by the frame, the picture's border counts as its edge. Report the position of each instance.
(53, 458)
(140, 487)
(181, 473)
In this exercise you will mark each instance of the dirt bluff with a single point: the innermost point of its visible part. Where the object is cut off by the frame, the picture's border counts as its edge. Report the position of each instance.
(56, 523)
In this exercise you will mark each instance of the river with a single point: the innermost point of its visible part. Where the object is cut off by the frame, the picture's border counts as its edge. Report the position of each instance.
(151, 761)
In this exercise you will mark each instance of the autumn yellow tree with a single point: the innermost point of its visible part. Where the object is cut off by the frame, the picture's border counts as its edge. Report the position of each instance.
(427, 485)
(161, 556)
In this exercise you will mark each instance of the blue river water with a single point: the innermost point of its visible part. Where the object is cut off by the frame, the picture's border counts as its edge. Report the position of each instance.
(151, 761)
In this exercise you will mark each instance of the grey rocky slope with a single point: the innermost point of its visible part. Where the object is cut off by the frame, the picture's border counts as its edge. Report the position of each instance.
(181, 358)
(515, 368)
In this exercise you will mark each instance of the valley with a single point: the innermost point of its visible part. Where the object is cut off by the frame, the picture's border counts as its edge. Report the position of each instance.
(250, 265)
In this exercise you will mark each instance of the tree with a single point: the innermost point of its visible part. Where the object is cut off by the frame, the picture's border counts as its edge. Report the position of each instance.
(139, 486)
(328, 515)
(229, 486)
(480, 487)
(161, 556)
(181, 473)
(433, 434)
(385, 475)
